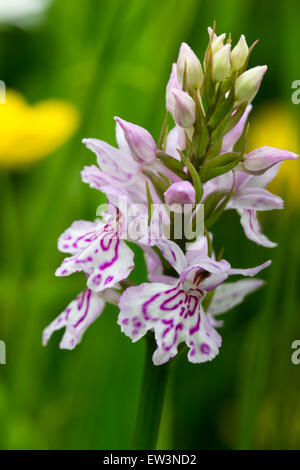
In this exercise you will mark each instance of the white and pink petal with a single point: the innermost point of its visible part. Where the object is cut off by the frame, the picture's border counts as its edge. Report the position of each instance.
(261, 181)
(140, 308)
(252, 228)
(258, 199)
(205, 342)
(250, 271)
(103, 257)
(115, 163)
(76, 318)
(198, 248)
(232, 137)
(94, 177)
(112, 263)
(230, 294)
(77, 236)
(172, 143)
(173, 254)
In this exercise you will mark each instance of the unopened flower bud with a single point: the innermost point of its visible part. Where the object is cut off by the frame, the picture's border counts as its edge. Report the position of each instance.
(247, 84)
(172, 84)
(180, 196)
(221, 64)
(263, 158)
(185, 109)
(217, 42)
(239, 54)
(189, 64)
(141, 144)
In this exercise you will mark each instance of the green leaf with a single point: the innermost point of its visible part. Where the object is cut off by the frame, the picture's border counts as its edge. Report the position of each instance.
(163, 132)
(234, 118)
(195, 177)
(208, 85)
(201, 135)
(164, 179)
(213, 150)
(159, 185)
(189, 147)
(149, 203)
(218, 132)
(222, 110)
(227, 84)
(172, 164)
(219, 165)
(241, 143)
(209, 243)
(211, 202)
(218, 211)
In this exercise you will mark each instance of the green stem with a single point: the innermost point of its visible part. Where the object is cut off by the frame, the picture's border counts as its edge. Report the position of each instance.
(151, 400)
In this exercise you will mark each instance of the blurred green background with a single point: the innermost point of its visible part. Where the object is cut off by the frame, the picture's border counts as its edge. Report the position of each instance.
(113, 57)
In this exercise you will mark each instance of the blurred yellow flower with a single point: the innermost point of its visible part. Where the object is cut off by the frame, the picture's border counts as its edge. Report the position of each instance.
(276, 125)
(31, 132)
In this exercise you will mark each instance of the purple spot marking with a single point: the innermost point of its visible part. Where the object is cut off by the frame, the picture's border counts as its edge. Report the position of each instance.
(81, 237)
(192, 346)
(97, 279)
(106, 238)
(164, 306)
(86, 295)
(108, 280)
(145, 305)
(196, 327)
(179, 326)
(166, 331)
(205, 348)
(190, 311)
(114, 258)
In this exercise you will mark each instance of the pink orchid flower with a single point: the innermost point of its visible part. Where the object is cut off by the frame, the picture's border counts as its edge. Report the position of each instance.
(175, 311)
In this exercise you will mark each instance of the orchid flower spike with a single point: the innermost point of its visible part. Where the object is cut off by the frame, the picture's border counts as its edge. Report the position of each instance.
(201, 163)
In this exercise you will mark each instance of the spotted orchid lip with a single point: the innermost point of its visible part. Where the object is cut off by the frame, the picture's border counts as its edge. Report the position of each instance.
(174, 311)
(175, 315)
